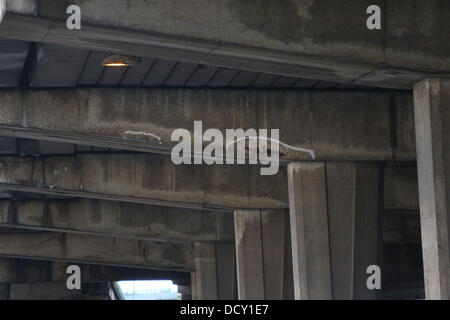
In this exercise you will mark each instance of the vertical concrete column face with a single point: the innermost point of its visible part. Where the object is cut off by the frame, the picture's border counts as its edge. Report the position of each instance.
(226, 271)
(272, 236)
(205, 271)
(249, 258)
(194, 286)
(309, 231)
(262, 252)
(432, 116)
(353, 191)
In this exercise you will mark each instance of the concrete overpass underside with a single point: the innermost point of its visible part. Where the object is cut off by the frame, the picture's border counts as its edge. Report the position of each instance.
(87, 174)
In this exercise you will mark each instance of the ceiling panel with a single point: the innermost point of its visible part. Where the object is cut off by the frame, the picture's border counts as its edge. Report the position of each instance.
(284, 82)
(244, 79)
(264, 80)
(12, 59)
(202, 76)
(136, 74)
(159, 72)
(93, 69)
(112, 76)
(57, 66)
(223, 77)
(181, 74)
(305, 83)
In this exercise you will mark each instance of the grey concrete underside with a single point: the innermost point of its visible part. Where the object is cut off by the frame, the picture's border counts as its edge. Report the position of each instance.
(145, 179)
(115, 219)
(316, 39)
(35, 271)
(97, 250)
(334, 125)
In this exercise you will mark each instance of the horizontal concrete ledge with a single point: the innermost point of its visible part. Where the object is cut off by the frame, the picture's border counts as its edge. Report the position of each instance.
(326, 126)
(97, 250)
(317, 39)
(146, 179)
(118, 220)
(32, 271)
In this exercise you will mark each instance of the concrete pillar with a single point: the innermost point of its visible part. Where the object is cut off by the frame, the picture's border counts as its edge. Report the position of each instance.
(432, 117)
(205, 271)
(194, 286)
(226, 271)
(354, 217)
(261, 254)
(309, 231)
(185, 291)
(214, 277)
(335, 226)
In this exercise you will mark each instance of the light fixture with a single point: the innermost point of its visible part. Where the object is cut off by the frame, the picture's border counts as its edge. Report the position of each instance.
(118, 60)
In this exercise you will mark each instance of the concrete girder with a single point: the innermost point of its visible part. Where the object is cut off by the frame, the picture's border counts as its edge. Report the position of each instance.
(121, 220)
(312, 39)
(97, 250)
(353, 126)
(35, 271)
(146, 179)
(59, 291)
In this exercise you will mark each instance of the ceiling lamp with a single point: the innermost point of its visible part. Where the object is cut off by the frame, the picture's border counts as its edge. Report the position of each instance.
(118, 60)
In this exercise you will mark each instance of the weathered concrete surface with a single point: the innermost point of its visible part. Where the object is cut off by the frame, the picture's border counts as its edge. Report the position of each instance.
(262, 250)
(114, 219)
(432, 115)
(334, 125)
(335, 222)
(309, 231)
(146, 179)
(401, 188)
(58, 291)
(318, 39)
(354, 212)
(97, 250)
(35, 271)
(215, 272)
(12, 60)
(206, 271)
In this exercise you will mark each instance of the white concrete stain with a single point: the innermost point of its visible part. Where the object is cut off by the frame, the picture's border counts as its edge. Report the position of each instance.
(141, 133)
(309, 151)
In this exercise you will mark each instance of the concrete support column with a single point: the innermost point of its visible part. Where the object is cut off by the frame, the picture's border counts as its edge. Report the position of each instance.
(432, 117)
(214, 277)
(355, 224)
(309, 231)
(185, 291)
(194, 286)
(260, 237)
(205, 271)
(336, 228)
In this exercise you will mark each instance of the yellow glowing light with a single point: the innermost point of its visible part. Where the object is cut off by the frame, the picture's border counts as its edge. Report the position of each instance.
(117, 64)
(117, 60)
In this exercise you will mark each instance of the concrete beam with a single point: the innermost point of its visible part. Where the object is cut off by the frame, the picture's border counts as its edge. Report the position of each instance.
(432, 114)
(261, 255)
(356, 126)
(97, 250)
(58, 291)
(145, 179)
(214, 274)
(114, 219)
(313, 39)
(34, 271)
